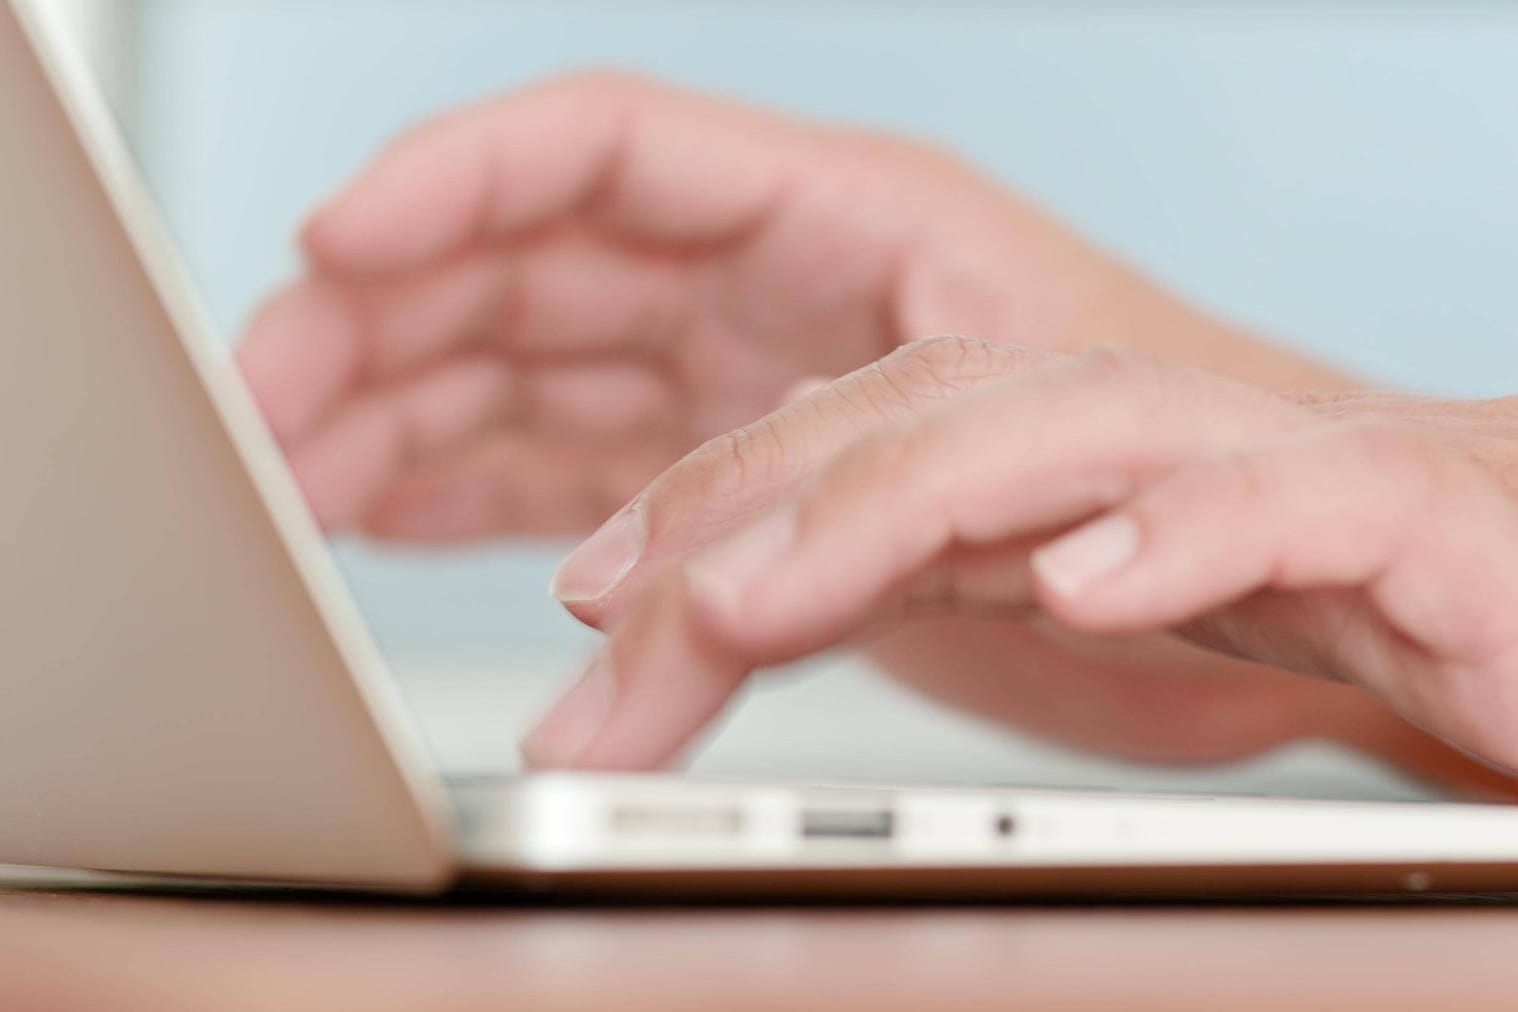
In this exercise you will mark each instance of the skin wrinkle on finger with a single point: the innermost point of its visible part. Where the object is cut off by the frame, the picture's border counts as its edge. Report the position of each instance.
(772, 452)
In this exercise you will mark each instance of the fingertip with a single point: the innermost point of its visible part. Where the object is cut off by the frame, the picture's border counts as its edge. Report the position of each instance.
(300, 352)
(349, 240)
(416, 204)
(1093, 579)
(673, 678)
(317, 238)
(1073, 566)
(1081, 614)
(573, 724)
(599, 565)
(591, 614)
(331, 235)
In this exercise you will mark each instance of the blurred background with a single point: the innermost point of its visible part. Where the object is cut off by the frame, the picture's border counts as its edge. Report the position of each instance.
(1338, 174)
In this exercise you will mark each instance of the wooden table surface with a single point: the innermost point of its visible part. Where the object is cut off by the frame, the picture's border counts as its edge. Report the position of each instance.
(65, 951)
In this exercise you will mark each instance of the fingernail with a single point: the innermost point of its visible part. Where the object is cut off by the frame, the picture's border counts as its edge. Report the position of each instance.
(595, 568)
(723, 575)
(1071, 565)
(575, 721)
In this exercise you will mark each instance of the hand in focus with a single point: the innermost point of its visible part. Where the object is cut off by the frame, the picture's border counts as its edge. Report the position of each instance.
(1371, 541)
(525, 310)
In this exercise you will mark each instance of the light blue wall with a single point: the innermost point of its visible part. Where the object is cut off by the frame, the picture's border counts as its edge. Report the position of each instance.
(1343, 174)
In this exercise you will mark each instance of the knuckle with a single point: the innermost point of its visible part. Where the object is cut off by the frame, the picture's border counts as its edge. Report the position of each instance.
(938, 174)
(1122, 365)
(950, 363)
(1393, 453)
(872, 391)
(1242, 481)
(941, 350)
(1152, 392)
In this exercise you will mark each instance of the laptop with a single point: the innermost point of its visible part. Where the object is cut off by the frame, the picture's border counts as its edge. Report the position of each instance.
(187, 693)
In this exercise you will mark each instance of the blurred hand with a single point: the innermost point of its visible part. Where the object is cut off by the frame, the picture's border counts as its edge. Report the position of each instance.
(1368, 540)
(525, 310)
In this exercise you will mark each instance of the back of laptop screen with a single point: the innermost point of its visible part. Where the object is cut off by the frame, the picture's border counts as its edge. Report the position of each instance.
(178, 681)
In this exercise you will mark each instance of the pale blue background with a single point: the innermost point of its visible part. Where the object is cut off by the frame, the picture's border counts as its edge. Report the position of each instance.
(1341, 174)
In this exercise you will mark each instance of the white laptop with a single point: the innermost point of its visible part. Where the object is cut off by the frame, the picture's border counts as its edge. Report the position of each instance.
(187, 693)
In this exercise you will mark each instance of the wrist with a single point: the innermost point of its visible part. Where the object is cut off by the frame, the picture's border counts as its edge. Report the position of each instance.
(1131, 310)
(1174, 331)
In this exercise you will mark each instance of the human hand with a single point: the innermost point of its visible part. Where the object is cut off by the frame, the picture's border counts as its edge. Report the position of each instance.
(1366, 539)
(525, 310)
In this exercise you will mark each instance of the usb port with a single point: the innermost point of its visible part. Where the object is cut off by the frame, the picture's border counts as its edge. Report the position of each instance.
(847, 824)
